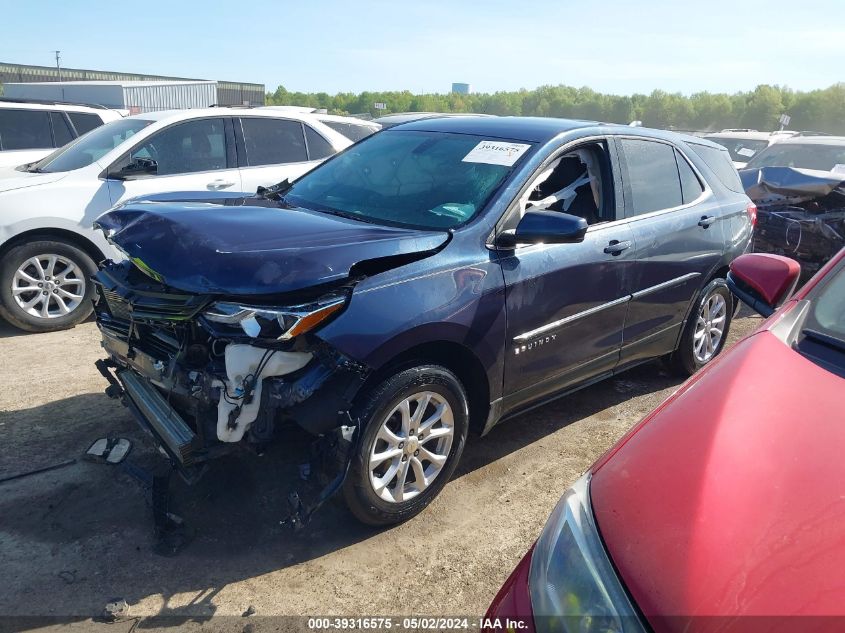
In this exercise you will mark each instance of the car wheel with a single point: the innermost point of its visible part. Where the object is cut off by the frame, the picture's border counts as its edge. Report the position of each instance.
(413, 430)
(707, 328)
(45, 286)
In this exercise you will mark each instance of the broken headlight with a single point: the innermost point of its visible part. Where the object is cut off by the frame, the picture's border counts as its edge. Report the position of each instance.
(281, 323)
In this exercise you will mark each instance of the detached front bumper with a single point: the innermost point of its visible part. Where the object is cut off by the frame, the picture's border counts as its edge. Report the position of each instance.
(154, 414)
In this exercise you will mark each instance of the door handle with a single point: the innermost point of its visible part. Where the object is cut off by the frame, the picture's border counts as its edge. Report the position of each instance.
(706, 220)
(615, 247)
(218, 184)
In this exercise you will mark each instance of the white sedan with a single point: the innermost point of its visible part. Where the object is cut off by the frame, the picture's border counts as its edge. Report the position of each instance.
(48, 249)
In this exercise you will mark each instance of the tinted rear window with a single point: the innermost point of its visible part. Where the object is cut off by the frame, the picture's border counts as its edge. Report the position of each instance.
(690, 185)
(318, 147)
(273, 141)
(62, 134)
(652, 175)
(719, 162)
(351, 131)
(84, 122)
(25, 129)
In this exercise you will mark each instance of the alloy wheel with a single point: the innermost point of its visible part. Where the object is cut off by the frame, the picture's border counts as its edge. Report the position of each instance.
(411, 447)
(710, 327)
(48, 286)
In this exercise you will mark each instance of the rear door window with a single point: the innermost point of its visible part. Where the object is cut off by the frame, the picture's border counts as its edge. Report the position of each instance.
(318, 147)
(84, 122)
(691, 187)
(651, 176)
(62, 134)
(25, 129)
(273, 141)
(719, 161)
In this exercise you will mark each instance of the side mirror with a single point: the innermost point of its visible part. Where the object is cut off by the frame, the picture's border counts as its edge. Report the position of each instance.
(763, 281)
(137, 168)
(545, 227)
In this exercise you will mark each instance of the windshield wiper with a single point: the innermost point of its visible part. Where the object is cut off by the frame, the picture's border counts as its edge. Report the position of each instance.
(825, 339)
(274, 192)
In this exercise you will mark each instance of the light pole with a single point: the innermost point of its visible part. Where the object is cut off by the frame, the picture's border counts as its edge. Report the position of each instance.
(59, 63)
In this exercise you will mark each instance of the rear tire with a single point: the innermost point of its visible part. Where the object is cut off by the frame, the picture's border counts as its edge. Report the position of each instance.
(46, 286)
(706, 330)
(413, 427)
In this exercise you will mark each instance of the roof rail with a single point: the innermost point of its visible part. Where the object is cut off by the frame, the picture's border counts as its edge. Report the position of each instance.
(237, 105)
(739, 129)
(96, 106)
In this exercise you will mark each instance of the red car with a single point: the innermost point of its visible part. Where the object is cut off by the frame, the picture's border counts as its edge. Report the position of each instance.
(724, 509)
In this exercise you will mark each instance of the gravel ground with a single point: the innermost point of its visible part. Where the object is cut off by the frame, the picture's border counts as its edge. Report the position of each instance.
(73, 538)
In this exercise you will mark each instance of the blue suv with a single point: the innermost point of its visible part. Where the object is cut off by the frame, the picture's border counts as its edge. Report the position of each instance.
(428, 282)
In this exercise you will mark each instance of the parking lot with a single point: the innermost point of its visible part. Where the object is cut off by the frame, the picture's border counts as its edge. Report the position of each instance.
(90, 527)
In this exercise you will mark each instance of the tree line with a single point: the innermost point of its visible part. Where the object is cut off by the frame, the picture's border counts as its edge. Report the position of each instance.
(818, 110)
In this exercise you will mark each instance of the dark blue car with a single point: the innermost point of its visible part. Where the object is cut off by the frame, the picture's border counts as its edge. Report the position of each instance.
(430, 281)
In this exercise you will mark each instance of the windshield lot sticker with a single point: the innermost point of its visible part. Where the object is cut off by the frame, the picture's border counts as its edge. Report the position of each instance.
(746, 151)
(496, 153)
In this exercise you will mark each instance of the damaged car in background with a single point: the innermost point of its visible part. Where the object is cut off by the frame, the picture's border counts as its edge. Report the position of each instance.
(798, 186)
(428, 282)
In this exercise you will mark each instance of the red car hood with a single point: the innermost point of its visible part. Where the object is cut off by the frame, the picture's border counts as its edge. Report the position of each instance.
(730, 499)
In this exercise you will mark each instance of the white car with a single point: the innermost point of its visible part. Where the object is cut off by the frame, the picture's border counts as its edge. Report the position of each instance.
(743, 145)
(47, 244)
(351, 127)
(29, 130)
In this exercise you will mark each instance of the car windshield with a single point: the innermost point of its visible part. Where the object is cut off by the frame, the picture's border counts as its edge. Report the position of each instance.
(740, 149)
(90, 147)
(413, 179)
(816, 156)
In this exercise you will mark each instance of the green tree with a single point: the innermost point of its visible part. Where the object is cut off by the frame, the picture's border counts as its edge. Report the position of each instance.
(820, 110)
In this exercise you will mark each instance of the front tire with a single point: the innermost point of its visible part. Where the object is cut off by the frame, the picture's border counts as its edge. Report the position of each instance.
(46, 286)
(412, 434)
(706, 330)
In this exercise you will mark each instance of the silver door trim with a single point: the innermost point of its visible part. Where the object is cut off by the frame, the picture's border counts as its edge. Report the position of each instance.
(666, 284)
(604, 306)
(573, 317)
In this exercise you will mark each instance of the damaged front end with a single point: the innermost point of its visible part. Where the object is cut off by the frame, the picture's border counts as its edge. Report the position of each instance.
(211, 324)
(800, 214)
(205, 377)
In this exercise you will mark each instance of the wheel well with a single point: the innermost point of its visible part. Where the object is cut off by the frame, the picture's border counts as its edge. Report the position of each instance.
(454, 357)
(722, 272)
(87, 246)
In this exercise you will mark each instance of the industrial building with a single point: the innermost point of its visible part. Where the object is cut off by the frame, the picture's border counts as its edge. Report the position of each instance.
(461, 89)
(135, 96)
(228, 93)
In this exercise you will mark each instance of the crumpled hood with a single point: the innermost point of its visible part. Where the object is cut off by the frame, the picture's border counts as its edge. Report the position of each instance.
(764, 184)
(251, 250)
(730, 499)
(11, 179)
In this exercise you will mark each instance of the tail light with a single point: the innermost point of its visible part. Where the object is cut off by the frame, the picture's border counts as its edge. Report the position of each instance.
(751, 210)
